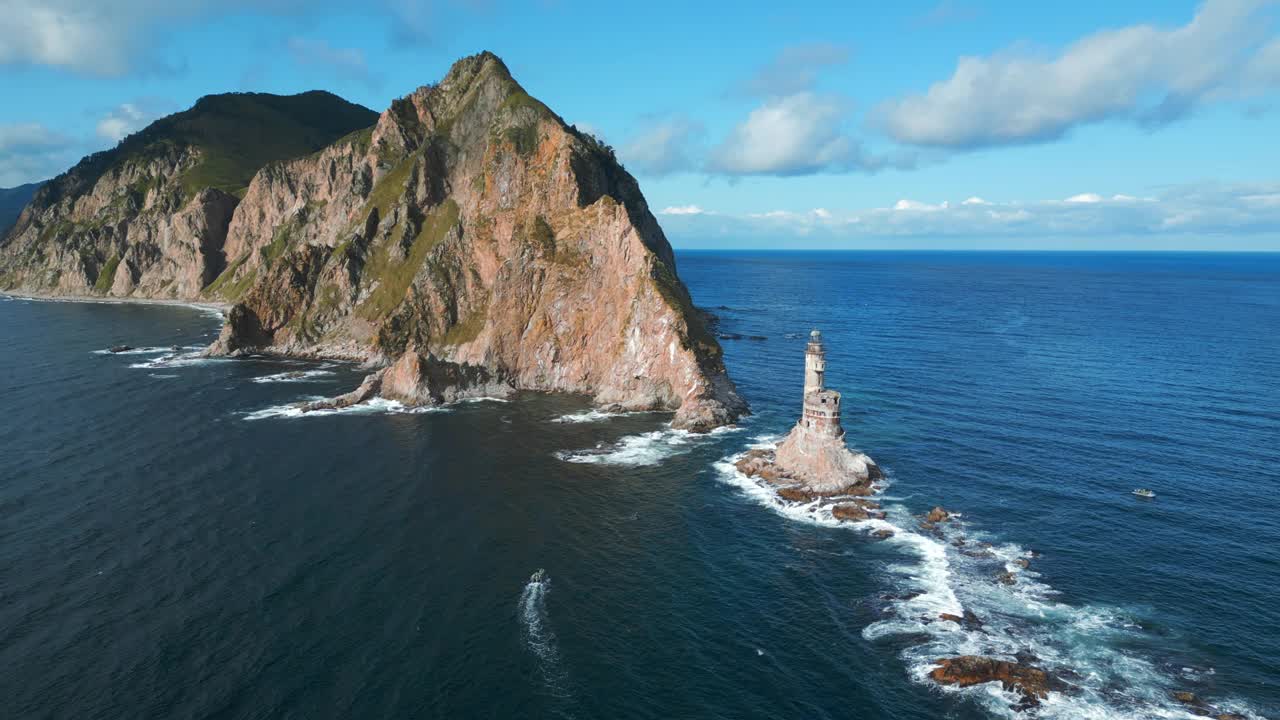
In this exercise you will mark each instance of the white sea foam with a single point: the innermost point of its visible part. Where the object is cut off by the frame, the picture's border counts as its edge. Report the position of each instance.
(174, 359)
(158, 376)
(485, 398)
(649, 448)
(368, 407)
(587, 416)
(535, 626)
(935, 577)
(293, 377)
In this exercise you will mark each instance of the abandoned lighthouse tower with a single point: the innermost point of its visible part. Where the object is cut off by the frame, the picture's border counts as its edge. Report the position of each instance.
(821, 410)
(814, 454)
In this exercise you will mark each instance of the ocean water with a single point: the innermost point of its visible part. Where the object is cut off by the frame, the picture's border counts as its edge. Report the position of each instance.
(176, 542)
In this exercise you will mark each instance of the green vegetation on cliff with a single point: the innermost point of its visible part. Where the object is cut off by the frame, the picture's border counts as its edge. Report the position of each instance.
(236, 134)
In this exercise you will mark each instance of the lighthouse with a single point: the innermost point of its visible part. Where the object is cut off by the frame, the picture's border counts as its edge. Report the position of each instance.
(821, 413)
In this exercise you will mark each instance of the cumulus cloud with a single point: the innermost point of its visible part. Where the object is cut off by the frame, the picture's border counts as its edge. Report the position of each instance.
(90, 37)
(664, 146)
(346, 63)
(799, 134)
(1192, 211)
(121, 122)
(30, 152)
(1143, 73)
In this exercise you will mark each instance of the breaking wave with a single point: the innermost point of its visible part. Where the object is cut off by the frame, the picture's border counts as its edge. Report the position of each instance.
(535, 626)
(953, 570)
(139, 351)
(649, 448)
(172, 358)
(295, 376)
(586, 416)
(374, 406)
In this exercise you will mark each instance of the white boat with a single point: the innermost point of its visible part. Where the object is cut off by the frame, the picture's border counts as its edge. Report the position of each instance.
(1144, 493)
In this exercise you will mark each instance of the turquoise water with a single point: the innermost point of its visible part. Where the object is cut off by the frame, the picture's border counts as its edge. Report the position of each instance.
(174, 543)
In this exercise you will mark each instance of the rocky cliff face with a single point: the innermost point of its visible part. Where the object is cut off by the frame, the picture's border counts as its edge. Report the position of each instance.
(473, 239)
(149, 218)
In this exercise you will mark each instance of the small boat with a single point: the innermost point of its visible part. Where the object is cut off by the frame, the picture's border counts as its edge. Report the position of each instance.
(1144, 493)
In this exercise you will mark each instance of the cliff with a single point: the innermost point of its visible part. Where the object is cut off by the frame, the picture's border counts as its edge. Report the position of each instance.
(471, 233)
(149, 217)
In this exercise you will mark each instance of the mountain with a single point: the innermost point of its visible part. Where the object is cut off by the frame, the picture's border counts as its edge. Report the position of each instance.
(12, 200)
(148, 218)
(469, 242)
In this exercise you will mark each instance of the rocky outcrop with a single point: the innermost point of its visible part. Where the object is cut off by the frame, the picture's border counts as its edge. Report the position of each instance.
(149, 218)
(1032, 683)
(822, 462)
(472, 237)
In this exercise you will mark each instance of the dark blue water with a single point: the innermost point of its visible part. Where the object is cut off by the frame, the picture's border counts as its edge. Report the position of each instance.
(173, 543)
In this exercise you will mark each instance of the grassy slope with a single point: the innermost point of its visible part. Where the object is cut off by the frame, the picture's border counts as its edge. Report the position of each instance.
(238, 134)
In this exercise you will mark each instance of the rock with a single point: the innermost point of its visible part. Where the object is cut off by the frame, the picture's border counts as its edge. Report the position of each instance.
(1032, 683)
(849, 511)
(797, 494)
(937, 515)
(882, 534)
(1022, 563)
(469, 227)
(119, 348)
(978, 554)
(368, 389)
(958, 542)
(1006, 578)
(1202, 708)
(968, 619)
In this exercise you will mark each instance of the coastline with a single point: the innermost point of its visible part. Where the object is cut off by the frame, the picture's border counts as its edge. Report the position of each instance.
(221, 307)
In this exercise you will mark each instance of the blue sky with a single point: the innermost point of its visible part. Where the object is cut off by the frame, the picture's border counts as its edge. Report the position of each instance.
(1095, 125)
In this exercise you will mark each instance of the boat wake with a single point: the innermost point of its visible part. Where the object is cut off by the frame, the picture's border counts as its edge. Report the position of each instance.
(535, 627)
(949, 568)
(649, 448)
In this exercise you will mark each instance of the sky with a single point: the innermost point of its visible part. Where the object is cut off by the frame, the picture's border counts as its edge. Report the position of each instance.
(956, 124)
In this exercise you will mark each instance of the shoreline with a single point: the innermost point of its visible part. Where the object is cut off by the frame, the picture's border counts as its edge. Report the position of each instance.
(221, 307)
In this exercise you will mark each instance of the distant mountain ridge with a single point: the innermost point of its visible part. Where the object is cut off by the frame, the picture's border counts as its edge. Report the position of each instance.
(12, 200)
(149, 216)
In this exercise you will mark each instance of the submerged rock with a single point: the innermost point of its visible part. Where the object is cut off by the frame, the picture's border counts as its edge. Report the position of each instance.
(119, 348)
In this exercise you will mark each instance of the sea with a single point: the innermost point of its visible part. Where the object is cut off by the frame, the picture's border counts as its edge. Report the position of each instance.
(176, 541)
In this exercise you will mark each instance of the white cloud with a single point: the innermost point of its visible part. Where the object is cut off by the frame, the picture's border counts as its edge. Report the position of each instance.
(1147, 74)
(975, 200)
(1084, 198)
(799, 134)
(663, 146)
(30, 152)
(1189, 211)
(122, 122)
(917, 206)
(682, 210)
